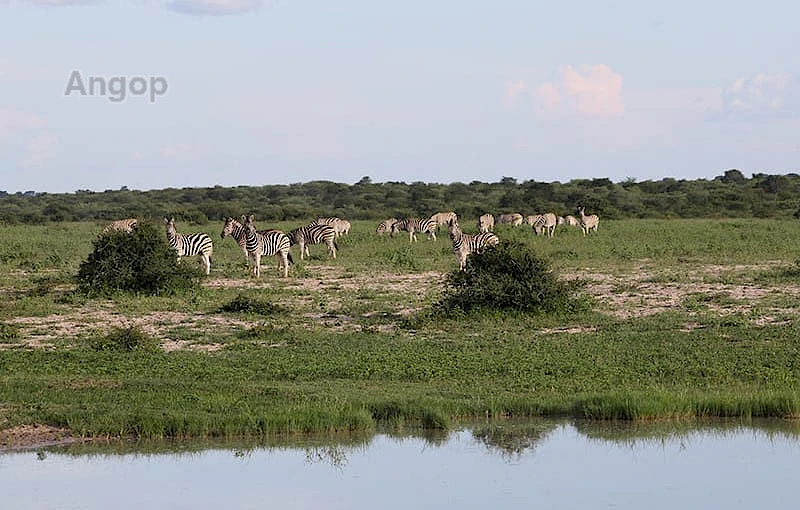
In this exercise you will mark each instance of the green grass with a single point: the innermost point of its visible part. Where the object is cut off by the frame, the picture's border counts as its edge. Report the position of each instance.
(350, 343)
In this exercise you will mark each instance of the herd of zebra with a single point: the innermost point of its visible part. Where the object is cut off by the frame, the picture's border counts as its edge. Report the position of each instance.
(256, 244)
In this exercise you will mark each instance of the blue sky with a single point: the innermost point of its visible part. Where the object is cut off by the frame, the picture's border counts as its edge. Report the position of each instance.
(263, 92)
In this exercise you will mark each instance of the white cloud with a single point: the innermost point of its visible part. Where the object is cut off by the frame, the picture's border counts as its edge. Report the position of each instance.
(513, 89)
(589, 91)
(761, 96)
(15, 121)
(213, 7)
(180, 151)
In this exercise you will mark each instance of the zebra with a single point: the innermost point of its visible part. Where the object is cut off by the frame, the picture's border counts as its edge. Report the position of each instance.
(546, 221)
(385, 226)
(236, 230)
(267, 243)
(189, 245)
(514, 218)
(314, 234)
(572, 221)
(486, 223)
(532, 219)
(588, 223)
(339, 225)
(442, 218)
(464, 244)
(126, 225)
(414, 225)
(342, 227)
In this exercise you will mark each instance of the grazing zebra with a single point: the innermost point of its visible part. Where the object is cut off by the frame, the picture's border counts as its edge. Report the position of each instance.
(464, 244)
(267, 243)
(486, 223)
(532, 219)
(237, 231)
(126, 225)
(314, 234)
(588, 223)
(342, 227)
(339, 225)
(385, 226)
(561, 220)
(189, 245)
(545, 223)
(443, 217)
(414, 225)
(572, 221)
(515, 219)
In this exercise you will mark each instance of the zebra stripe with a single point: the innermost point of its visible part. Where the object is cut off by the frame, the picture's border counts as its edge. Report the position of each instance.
(545, 223)
(314, 234)
(267, 243)
(126, 225)
(339, 225)
(464, 244)
(189, 245)
(385, 226)
(414, 225)
(236, 230)
(486, 223)
(443, 218)
(514, 218)
(588, 223)
(342, 227)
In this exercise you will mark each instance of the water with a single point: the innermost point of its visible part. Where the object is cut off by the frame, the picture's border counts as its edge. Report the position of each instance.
(541, 464)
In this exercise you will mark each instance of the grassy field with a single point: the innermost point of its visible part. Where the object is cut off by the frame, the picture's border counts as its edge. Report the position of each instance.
(689, 318)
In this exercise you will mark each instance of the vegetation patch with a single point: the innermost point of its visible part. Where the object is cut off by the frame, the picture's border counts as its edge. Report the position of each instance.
(9, 332)
(128, 339)
(139, 262)
(248, 304)
(511, 277)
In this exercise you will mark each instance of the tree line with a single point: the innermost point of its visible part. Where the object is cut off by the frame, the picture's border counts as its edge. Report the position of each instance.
(728, 195)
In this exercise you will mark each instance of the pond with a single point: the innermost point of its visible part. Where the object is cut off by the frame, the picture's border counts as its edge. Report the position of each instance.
(541, 464)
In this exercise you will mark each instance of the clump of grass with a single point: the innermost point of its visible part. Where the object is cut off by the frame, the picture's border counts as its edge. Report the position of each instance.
(8, 332)
(248, 304)
(127, 339)
(402, 258)
(510, 277)
(138, 262)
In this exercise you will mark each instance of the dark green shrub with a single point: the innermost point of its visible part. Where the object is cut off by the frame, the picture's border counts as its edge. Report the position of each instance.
(8, 332)
(509, 277)
(140, 262)
(128, 339)
(247, 304)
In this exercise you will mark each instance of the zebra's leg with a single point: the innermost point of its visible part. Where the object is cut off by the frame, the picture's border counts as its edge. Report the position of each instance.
(432, 235)
(206, 263)
(284, 259)
(257, 268)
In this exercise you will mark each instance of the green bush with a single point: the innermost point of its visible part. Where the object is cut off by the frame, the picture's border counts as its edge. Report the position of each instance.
(140, 262)
(247, 304)
(509, 277)
(8, 332)
(127, 339)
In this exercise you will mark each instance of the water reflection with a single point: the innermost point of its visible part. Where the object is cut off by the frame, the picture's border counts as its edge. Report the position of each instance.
(504, 464)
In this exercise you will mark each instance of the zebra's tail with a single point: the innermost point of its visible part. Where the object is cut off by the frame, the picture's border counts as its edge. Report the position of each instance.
(336, 246)
(289, 258)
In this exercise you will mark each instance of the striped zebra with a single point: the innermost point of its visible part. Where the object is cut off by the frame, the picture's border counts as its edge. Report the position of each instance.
(532, 219)
(126, 225)
(414, 225)
(545, 223)
(339, 225)
(342, 227)
(265, 244)
(236, 230)
(486, 223)
(442, 218)
(314, 234)
(588, 223)
(385, 226)
(189, 245)
(464, 244)
(572, 221)
(515, 219)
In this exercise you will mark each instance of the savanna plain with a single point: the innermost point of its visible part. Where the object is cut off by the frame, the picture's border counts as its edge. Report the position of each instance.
(684, 320)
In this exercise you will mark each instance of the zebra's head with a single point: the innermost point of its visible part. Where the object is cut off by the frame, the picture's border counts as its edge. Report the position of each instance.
(292, 235)
(170, 224)
(452, 227)
(247, 222)
(230, 224)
